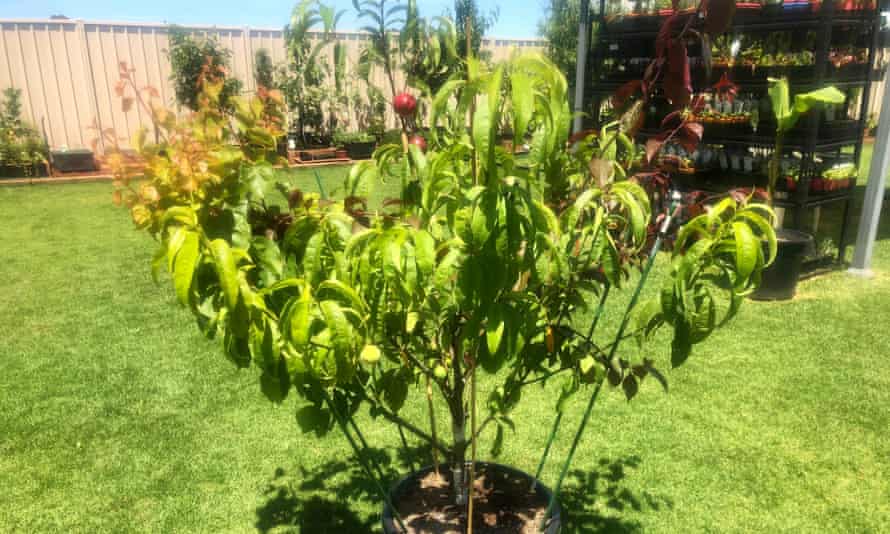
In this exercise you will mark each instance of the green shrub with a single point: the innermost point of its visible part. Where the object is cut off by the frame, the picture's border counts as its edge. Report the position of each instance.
(20, 144)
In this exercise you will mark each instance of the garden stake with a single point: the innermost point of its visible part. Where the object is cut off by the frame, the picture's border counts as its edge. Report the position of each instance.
(429, 402)
(558, 420)
(624, 322)
(361, 459)
(320, 187)
(550, 439)
(365, 446)
(472, 450)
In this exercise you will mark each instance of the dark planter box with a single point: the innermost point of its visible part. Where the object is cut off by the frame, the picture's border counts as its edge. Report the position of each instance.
(37, 170)
(74, 161)
(360, 150)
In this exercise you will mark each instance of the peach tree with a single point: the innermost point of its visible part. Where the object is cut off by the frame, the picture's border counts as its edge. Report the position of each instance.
(486, 264)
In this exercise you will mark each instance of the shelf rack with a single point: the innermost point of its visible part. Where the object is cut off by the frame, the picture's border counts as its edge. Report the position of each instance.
(813, 136)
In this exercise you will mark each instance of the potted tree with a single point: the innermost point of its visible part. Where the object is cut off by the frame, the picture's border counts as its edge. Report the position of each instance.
(472, 272)
(780, 279)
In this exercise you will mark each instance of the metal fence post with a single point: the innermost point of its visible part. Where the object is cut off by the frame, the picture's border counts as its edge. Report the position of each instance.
(874, 194)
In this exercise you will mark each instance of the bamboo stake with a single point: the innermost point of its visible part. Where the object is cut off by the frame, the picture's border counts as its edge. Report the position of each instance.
(429, 402)
(472, 449)
(558, 420)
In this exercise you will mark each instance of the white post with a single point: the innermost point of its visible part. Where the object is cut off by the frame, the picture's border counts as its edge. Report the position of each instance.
(874, 193)
(581, 67)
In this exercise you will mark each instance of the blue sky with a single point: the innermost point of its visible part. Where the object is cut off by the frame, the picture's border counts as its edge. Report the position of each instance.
(517, 19)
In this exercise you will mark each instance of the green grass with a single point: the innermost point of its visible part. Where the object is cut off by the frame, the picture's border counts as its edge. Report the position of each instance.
(117, 416)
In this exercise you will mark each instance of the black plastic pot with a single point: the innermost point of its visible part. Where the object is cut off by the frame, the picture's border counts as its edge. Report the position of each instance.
(390, 526)
(360, 150)
(779, 280)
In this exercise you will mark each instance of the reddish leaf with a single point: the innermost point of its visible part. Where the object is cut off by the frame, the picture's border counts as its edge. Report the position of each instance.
(672, 120)
(652, 147)
(678, 81)
(152, 92)
(672, 25)
(690, 135)
(694, 129)
(625, 92)
(718, 15)
(600, 171)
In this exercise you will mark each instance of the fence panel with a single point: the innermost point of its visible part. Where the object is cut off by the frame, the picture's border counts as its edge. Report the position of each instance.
(67, 70)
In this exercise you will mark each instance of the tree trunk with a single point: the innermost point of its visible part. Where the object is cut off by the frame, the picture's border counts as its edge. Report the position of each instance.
(458, 431)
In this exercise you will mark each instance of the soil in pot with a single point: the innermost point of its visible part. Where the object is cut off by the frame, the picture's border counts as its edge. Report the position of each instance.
(502, 503)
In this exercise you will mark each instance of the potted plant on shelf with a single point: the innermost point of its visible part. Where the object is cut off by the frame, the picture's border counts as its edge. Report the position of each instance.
(780, 279)
(476, 270)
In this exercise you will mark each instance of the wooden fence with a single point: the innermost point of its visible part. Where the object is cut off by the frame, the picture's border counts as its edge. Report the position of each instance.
(66, 69)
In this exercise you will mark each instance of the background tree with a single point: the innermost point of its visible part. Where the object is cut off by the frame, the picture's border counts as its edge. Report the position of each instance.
(263, 70)
(304, 88)
(464, 9)
(560, 28)
(192, 61)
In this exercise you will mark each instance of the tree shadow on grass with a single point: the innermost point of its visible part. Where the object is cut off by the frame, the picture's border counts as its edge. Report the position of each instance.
(597, 501)
(330, 497)
(324, 499)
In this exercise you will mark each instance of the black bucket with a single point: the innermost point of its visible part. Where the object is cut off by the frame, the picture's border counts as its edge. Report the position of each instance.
(390, 525)
(779, 280)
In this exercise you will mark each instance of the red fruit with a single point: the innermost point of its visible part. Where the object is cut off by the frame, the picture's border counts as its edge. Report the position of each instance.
(404, 104)
(418, 141)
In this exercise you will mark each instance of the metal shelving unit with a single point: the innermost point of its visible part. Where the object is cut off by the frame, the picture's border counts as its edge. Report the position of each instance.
(635, 36)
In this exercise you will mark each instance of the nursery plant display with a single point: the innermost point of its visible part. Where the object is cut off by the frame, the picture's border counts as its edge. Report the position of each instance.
(811, 44)
(479, 268)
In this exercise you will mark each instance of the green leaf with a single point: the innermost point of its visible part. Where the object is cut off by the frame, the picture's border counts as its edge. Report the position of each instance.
(184, 266)
(226, 270)
(269, 260)
(299, 318)
(648, 317)
(337, 290)
(747, 250)
(778, 95)
(173, 243)
(424, 252)
(681, 346)
(523, 102)
(766, 230)
(395, 389)
(494, 329)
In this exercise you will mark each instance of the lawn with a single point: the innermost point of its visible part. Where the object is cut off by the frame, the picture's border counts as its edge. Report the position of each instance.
(117, 416)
